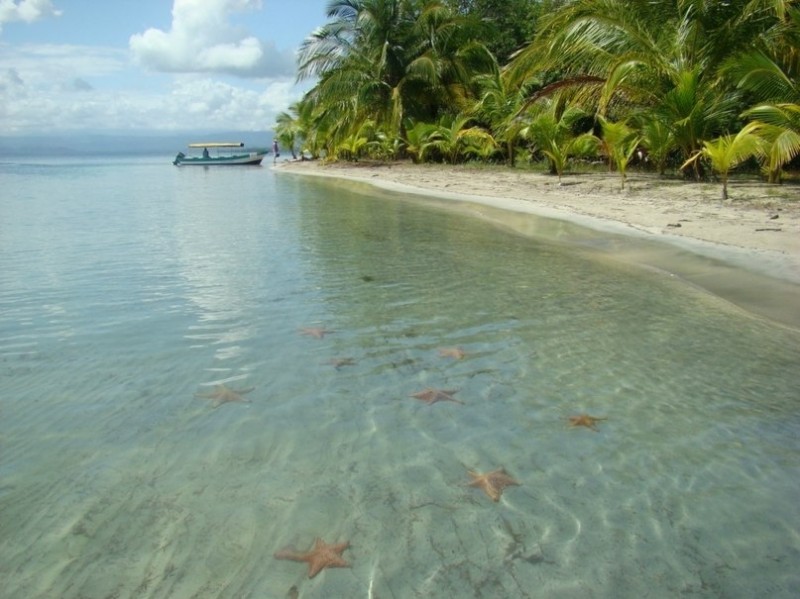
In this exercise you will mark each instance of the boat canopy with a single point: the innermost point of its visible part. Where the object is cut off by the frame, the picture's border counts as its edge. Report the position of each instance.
(218, 144)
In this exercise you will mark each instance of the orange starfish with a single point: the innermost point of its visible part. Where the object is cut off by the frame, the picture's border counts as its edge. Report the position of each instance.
(322, 555)
(222, 394)
(431, 396)
(452, 352)
(315, 332)
(493, 482)
(585, 420)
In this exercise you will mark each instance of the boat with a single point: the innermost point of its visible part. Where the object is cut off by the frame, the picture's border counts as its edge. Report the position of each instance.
(224, 154)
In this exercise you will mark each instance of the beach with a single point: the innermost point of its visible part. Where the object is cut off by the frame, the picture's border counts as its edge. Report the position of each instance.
(758, 227)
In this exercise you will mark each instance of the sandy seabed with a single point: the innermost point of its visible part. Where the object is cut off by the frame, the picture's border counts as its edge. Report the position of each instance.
(753, 237)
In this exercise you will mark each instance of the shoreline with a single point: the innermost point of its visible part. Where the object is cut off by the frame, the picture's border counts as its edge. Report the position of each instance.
(757, 231)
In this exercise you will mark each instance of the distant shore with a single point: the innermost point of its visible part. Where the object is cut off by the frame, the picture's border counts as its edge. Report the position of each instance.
(764, 219)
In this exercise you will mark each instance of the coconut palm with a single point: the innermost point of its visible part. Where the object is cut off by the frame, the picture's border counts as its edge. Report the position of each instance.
(500, 105)
(658, 57)
(695, 110)
(384, 146)
(389, 60)
(779, 127)
(657, 140)
(728, 151)
(355, 145)
(452, 139)
(772, 74)
(417, 135)
(288, 128)
(554, 135)
(619, 144)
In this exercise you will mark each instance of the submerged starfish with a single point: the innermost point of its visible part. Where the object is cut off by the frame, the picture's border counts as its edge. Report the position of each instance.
(585, 420)
(493, 482)
(315, 332)
(222, 394)
(322, 555)
(431, 396)
(452, 352)
(337, 363)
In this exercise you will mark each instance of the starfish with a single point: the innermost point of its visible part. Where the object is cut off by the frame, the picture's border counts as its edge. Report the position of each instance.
(222, 394)
(585, 420)
(337, 363)
(493, 482)
(322, 555)
(315, 332)
(431, 396)
(452, 352)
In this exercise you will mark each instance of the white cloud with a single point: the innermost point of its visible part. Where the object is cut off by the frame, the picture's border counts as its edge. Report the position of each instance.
(45, 100)
(220, 105)
(45, 64)
(203, 40)
(26, 10)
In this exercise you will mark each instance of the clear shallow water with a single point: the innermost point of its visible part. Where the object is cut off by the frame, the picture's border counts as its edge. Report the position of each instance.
(127, 288)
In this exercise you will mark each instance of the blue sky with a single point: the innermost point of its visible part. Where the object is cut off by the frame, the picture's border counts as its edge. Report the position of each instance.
(69, 66)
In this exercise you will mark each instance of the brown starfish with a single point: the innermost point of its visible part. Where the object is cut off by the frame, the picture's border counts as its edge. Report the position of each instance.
(315, 332)
(222, 394)
(337, 363)
(322, 555)
(493, 482)
(585, 420)
(452, 352)
(431, 396)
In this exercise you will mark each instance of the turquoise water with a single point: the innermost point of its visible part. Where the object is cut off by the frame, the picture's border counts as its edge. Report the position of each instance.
(126, 288)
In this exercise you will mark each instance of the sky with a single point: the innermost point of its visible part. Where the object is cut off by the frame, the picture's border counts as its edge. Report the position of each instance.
(71, 66)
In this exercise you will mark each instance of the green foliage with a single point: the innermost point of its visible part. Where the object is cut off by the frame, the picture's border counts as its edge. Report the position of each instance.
(498, 106)
(482, 79)
(452, 140)
(728, 151)
(779, 128)
(390, 60)
(505, 25)
(554, 134)
(416, 140)
(619, 142)
(657, 139)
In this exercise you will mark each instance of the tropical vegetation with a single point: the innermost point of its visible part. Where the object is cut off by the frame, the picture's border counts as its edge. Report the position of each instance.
(691, 87)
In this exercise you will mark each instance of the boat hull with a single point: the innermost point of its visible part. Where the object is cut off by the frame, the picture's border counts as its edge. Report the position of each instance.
(251, 158)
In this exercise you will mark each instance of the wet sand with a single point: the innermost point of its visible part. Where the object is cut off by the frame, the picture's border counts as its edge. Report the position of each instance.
(751, 241)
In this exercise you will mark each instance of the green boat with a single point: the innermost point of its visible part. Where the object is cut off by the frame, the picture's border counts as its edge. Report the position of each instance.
(224, 154)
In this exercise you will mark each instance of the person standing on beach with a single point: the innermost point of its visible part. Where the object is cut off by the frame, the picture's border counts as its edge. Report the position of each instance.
(275, 152)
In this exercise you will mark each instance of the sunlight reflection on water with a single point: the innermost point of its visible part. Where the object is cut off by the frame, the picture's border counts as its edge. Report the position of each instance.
(116, 480)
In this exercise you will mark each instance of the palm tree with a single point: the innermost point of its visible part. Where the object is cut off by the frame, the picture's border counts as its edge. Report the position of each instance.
(416, 140)
(694, 111)
(355, 145)
(660, 58)
(288, 129)
(553, 134)
(389, 60)
(311, 126)
(499, 105)
(452, 139)
(779, 127)
(658, 140)
(619, 143)
(771, 72)
(729, 151)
